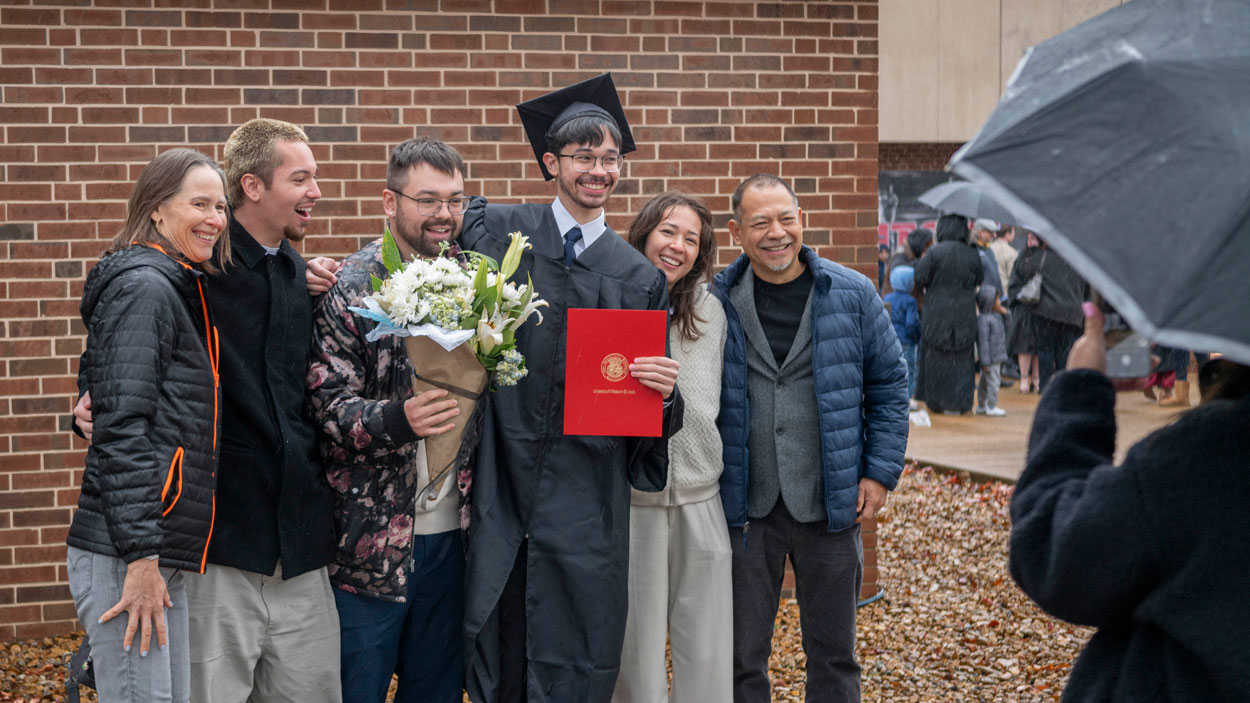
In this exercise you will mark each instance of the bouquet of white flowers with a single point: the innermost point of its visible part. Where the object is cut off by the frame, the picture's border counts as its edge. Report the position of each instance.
(467, 307)
(455, 303)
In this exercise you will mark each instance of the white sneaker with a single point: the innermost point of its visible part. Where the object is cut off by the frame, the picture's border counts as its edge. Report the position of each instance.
(979, 411)
(993, 412)
(913, 405)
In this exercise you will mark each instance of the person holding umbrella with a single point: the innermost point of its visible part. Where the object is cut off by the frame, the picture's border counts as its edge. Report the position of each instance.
(1145, 551)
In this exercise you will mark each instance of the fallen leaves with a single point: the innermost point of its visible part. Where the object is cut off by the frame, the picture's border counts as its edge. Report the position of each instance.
(34, 670)
(952, 624)
(951, 627)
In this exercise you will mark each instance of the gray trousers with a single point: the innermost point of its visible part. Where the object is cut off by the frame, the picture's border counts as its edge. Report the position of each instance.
(263, 638)
(95, 582)
(987, 386)
(828, 571)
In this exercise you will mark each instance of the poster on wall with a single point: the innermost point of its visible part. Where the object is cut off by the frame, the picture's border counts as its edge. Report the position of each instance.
(899, 211)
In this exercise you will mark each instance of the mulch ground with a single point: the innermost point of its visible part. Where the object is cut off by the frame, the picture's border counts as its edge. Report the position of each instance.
(951, 627)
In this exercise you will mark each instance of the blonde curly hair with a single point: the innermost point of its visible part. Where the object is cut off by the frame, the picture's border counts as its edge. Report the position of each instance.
(250, 149)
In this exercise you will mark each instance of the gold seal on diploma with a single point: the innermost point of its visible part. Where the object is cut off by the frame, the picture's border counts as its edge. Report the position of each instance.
(613, 367)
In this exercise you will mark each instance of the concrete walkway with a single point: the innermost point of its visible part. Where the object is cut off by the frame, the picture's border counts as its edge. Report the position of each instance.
(996, 446)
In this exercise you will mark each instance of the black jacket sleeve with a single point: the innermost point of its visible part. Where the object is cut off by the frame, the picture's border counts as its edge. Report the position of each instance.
(132, 340)
(82, 388)
(1082, 540)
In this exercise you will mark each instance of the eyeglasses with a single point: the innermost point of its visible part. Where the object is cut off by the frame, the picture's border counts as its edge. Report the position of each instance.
(585, 163)
(432, 206)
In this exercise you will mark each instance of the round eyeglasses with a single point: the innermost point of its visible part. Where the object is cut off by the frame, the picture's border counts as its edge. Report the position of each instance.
(584, 163)
(429, 207)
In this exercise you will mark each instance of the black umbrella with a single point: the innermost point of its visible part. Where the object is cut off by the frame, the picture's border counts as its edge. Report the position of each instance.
(967, 199)
(1125, 141)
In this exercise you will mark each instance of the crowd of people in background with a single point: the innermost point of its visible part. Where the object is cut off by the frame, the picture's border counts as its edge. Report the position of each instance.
(970, 322)
(263, 513)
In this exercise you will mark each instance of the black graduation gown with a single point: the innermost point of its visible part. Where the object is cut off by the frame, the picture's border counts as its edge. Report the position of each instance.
(568, 495)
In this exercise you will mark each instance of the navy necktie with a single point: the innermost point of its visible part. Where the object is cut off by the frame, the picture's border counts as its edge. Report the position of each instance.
(571, 237)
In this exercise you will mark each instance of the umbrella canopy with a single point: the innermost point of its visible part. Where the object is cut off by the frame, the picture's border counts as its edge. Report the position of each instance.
(967, 199)
(1125, 142)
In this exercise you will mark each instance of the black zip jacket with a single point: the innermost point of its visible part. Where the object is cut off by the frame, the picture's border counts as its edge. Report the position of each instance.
(273, 498)
(151, 365)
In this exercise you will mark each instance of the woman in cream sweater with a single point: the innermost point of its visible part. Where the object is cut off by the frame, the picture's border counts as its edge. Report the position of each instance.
(679, 553)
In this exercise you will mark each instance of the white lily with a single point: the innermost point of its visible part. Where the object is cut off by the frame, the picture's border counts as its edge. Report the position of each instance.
(512, 258)
(490, 333)
(530, 309)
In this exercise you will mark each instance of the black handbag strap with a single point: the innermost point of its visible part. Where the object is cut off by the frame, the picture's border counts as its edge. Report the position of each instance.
(81, 672)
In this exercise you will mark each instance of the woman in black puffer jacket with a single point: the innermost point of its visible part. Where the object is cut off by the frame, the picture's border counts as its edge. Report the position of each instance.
(146, 507)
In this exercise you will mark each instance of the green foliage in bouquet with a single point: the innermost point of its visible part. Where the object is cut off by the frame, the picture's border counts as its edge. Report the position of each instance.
(442, 292)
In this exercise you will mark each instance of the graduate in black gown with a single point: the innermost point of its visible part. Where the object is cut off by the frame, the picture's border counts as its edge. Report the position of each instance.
(549, 537)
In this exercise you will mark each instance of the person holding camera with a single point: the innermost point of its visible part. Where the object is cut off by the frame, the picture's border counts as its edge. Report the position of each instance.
(1154, 552)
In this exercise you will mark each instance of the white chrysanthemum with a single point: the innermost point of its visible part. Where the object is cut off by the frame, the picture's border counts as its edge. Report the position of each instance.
(511, 294)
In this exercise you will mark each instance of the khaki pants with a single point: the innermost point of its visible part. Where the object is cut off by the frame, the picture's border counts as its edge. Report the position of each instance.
(260, 639)
(679, 588)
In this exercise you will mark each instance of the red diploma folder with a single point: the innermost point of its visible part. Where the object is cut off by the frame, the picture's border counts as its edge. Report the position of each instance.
(600, 396)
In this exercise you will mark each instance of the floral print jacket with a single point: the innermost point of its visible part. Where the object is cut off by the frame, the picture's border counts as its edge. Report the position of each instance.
(356, 392)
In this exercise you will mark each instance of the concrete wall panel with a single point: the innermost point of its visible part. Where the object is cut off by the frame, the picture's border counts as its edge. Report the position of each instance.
(909, 110)
(969, 61)
(944, 62)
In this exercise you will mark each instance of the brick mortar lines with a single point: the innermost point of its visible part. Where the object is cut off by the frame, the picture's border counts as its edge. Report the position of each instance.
(71, 151)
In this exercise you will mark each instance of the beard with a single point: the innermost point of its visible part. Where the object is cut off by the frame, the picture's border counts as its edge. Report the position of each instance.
(783, 265)
(294, 234)
(418, 240)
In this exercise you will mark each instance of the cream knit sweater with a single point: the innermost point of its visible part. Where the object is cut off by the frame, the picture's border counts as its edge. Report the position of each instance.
(694, 453)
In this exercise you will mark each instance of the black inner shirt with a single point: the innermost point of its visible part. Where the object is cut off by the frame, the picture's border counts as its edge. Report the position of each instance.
(780, 309)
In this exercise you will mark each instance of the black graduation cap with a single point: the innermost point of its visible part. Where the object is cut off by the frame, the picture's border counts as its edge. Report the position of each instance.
(543, 115)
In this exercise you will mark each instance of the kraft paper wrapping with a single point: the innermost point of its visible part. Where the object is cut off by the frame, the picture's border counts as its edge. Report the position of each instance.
(460, 374)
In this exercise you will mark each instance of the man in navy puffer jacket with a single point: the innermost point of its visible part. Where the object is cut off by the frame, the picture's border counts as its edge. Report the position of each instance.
(814, 425)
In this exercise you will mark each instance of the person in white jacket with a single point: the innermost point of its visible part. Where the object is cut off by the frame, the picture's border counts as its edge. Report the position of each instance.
(679, 553)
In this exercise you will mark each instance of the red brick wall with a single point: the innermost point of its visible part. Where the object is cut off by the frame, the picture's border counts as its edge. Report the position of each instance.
(916, 156)
(716, 91)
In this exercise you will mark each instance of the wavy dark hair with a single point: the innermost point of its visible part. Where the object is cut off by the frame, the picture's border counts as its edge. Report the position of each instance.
(682, 295)
(918, 240)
